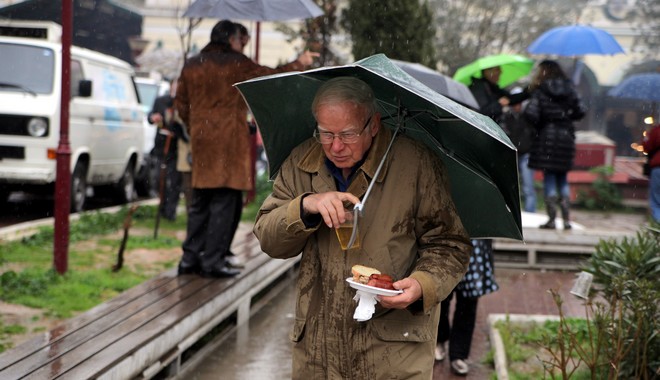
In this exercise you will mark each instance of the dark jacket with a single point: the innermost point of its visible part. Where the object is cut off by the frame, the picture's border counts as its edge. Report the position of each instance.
(488, 95)
(552, 109)
(519, 131)
(161, 106)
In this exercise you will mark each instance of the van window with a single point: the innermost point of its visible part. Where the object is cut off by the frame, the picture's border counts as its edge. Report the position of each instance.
(76, 76)
(148, 93)
(25, 68)
(111, 85)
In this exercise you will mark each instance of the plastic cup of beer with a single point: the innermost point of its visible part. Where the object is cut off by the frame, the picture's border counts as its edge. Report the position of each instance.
(345, 231)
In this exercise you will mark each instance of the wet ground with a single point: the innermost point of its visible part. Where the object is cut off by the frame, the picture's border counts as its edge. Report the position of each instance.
(261, 349)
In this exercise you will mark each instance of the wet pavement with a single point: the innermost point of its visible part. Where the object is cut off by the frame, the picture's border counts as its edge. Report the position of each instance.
(262, 350)
(259, 349)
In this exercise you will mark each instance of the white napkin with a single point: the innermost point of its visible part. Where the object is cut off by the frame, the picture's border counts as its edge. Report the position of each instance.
(366, 305)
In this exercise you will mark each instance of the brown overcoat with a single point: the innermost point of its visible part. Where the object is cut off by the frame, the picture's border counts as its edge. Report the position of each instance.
(410, 229)
(216, 116)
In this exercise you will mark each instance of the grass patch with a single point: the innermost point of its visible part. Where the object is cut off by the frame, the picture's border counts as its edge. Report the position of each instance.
(62, 296)
(5, 333)
(28, 277)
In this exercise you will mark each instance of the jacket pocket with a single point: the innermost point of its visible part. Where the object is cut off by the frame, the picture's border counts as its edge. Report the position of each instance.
(401, 326)
(298, 330)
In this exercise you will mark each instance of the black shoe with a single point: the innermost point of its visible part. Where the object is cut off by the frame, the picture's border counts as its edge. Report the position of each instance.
(183, 270)
(548, 226)
(567, 226)
(221, 273)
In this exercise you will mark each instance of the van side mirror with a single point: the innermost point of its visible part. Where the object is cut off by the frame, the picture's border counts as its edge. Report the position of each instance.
(85, 88)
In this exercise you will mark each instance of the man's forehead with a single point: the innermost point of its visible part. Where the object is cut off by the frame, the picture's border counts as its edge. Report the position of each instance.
(348, 108)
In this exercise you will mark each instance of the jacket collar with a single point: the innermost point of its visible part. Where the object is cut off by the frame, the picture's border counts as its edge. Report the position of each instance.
(313, 162)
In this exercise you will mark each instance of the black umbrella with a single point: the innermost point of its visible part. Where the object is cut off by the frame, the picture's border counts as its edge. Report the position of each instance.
(480, 158)
(255, 10)
(442, 84)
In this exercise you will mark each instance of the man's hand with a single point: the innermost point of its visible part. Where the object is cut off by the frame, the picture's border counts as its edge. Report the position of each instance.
(329, 205)
(156, 118)
(307, 58)
(412, 291)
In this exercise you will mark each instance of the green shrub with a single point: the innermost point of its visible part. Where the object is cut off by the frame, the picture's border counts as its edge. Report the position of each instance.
(623, 314)
(603, 195)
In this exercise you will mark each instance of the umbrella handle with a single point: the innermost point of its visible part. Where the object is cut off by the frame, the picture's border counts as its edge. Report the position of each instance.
(358, 209)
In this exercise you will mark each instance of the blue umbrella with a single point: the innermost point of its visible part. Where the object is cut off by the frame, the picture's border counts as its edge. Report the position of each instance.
(639, 86)
(575, 40)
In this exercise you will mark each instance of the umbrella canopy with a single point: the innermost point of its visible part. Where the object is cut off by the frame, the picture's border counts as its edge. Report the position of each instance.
(513, 68)
(480, 158)
(440, 83)
(255, 10)
(575, 40)
(638, 86)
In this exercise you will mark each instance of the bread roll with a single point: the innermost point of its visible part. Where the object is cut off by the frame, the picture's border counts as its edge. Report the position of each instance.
(361, 273)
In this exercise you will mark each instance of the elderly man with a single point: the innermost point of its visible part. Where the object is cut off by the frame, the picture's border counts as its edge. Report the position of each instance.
(410, 230)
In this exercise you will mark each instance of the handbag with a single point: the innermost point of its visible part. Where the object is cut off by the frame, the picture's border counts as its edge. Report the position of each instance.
(646, 169)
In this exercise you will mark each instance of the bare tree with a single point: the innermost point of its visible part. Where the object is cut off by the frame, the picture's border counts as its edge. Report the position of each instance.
(648, 25)
(469, 29)
(185, 27)
(317, 33)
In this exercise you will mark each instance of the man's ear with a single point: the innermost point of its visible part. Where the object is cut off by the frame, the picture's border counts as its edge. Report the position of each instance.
(375, 124)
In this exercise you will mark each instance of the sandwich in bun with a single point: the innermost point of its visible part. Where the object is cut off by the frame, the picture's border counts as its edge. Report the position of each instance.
(362, 273)
(372, 277)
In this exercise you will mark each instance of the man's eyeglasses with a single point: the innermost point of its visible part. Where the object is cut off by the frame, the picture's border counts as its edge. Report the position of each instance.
(345, 137)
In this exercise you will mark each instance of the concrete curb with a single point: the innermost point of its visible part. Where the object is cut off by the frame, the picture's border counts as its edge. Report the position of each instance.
(501, 366)
(25, 229)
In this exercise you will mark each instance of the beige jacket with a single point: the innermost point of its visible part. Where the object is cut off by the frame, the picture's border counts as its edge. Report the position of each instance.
(410, 228)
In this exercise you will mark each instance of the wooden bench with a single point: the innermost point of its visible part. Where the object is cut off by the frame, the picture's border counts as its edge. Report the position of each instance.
(548, 249)
(146, 330)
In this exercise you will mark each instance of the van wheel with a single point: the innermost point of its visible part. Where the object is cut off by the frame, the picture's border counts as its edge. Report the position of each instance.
(126, 186)
(78, 188)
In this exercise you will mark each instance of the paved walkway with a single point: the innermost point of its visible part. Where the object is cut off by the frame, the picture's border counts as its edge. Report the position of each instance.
(526, 292)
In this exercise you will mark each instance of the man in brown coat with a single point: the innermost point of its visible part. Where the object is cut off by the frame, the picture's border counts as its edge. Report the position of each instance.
(410, 230)
(215, 115)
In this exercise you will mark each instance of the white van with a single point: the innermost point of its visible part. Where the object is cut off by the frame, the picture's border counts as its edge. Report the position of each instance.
(105, 121)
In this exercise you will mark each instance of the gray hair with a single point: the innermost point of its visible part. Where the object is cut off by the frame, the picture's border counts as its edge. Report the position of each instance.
(345, 89)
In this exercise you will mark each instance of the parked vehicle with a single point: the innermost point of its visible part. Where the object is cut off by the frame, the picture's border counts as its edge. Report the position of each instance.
(149, 88)
(105, 122)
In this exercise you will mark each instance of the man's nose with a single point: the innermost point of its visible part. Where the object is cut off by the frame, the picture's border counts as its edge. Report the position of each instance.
(337, 144)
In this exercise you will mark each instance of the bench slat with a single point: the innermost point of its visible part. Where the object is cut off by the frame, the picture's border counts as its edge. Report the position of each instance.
(53, 361)
(75, 324)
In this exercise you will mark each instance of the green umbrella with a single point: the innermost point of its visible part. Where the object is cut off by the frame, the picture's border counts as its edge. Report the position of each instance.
(513, 68)
(480, 158)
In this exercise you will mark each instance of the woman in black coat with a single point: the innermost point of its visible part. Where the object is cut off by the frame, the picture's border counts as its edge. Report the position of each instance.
(553, 106)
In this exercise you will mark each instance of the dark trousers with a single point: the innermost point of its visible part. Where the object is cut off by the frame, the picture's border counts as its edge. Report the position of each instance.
(459, 334)
(212, 221)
